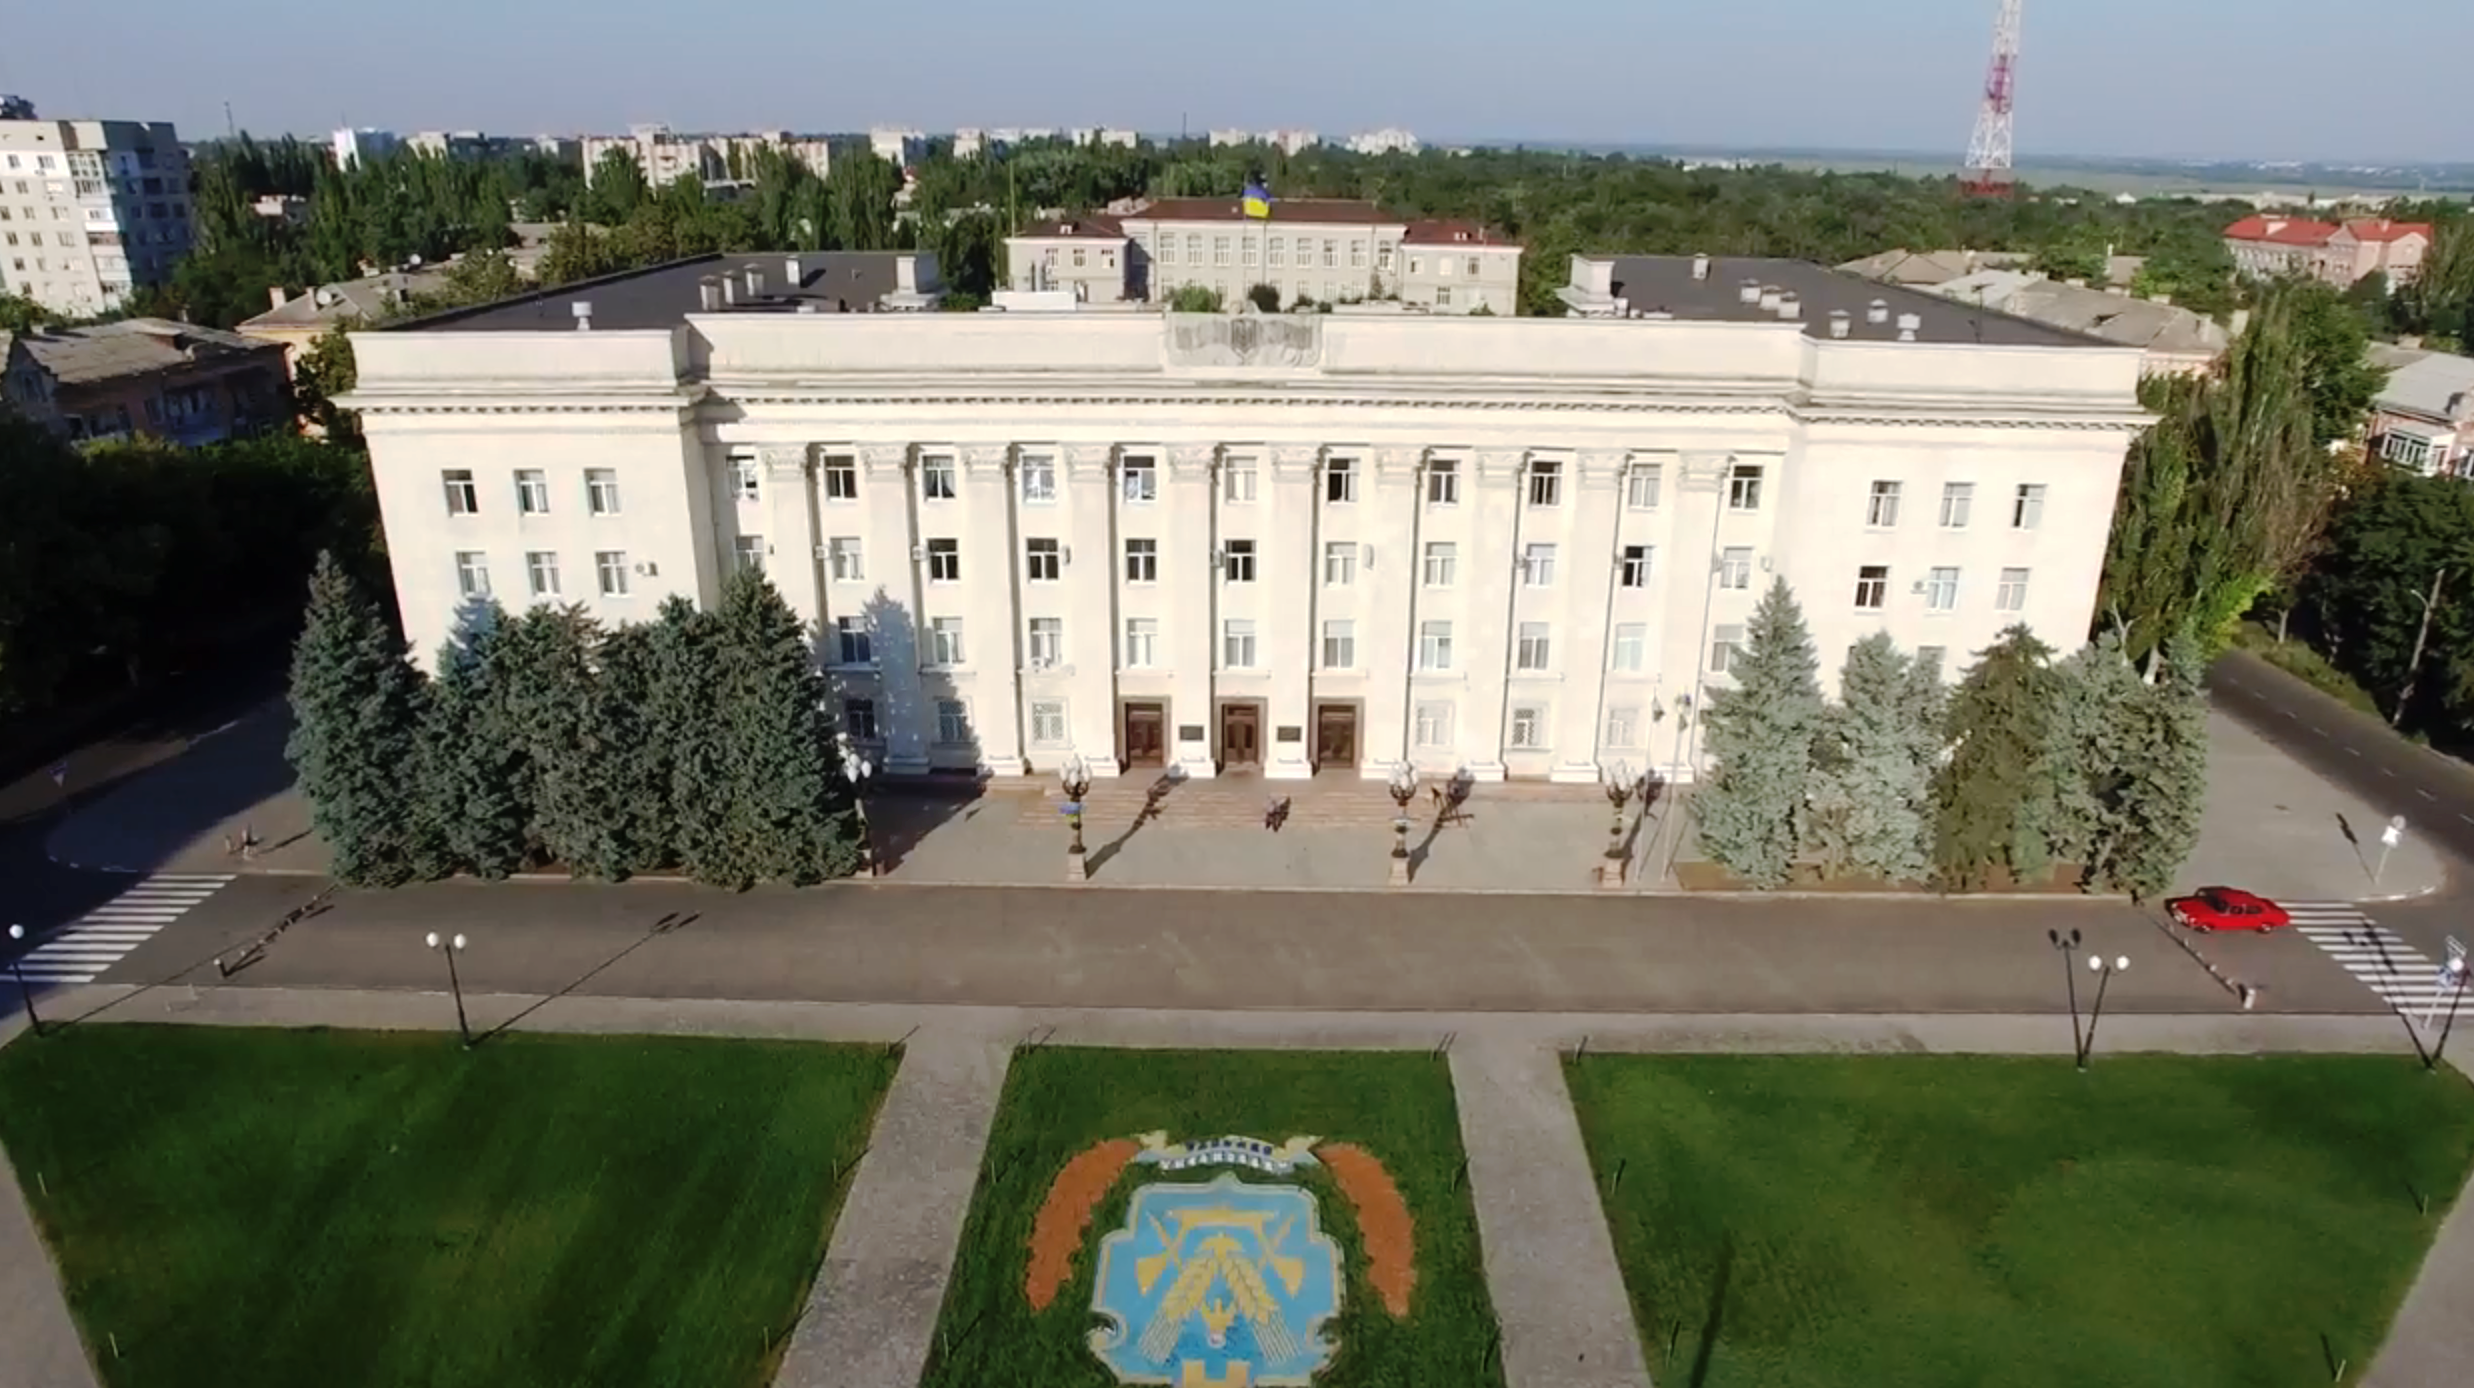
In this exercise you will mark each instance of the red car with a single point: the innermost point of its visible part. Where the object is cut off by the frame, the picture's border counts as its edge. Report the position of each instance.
(2226, 908)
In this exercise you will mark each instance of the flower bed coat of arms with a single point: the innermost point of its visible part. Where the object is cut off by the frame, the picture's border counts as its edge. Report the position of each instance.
(1219, 1283)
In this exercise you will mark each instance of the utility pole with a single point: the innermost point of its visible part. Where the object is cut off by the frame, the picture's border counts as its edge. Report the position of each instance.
(2421, 635)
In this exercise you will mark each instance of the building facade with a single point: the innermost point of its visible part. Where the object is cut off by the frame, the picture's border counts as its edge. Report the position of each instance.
(1284, 545)
(668, 155)
(2270, 244)
(90, 209)
(355, 146)
(2422, 420)
(1320, 250)
(149, 376)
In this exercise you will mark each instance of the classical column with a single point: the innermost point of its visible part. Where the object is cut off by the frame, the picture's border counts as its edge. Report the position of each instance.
(896, 621)
(992, 577)
(1387, 637)
(1581, 635)
(1289, 631)
(1190, 573)
(791, 558)
(1093, 626)
(1485, 648)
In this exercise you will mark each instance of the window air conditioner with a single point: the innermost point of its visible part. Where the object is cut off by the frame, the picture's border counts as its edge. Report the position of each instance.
(647, 568)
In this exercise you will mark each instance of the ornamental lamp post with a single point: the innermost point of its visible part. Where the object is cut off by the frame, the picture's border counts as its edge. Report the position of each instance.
(857, 768)
(2104, 972)
(1403, 788)
(1074, 779)
(452, 947)
(1619, 784)
(2067, 945)
(25, 991)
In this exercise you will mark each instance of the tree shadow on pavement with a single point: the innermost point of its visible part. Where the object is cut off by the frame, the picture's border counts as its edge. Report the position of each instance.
(1154, 800)
(670, 924)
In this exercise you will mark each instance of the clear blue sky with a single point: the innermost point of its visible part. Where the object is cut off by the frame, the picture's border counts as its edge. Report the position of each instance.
(2283, 79)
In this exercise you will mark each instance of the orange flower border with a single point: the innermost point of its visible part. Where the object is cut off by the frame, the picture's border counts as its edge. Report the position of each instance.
(1383, 1223)
(1065, 1216)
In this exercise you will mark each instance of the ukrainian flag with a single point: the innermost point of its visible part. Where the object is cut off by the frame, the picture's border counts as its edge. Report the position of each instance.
(1257, 202)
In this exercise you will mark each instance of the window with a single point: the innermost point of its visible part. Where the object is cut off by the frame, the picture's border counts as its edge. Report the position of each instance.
(1331, 255)
(1237, 644)
(945, 641)
(463, 499)
(859, 719)
(849, 560)
(1239, 561)
(746, 477)
(1623, 726)
(1536, 649)
(1142, 561)
(1442, 563)
(1471, 269)
(1340, 645)
(1219, 250)
(936, 477)
(1340, 563)
(601, 493)
(1237, 480)
(1245, 250)
(610, 565)
(1443, 296)
(1168, 250)
(541, 573)
(1537, 566)
(1744, 487)
(1957, 500)
(1434, 645)
(841, 478)
(1047, 642)
(1443, 266)
(1725, 644)
(1528, 726)
(1194, 250)
(1048, 722)
(1443, 483)
(749, 550)
(1941, 590)
(953, 723)
(1434, 725)
(1142, 642)
(1546, 484)
(1340, 480)
(1872, 587)
(1276, 255)
(1043, 561)
(1641, 487)
(2011, 594)
(1633, 572)
(532, 492)
(2027, 508)
(1735, 567)
(851, 643)
(472, 573)
(944, 561)
(1142, 480)
(1881, 509)
(1039, 478)
(1357, 255)
(1631, 647)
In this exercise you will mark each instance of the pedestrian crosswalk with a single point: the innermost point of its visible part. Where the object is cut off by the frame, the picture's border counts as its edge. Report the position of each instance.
(82, 950)
(2404, 977)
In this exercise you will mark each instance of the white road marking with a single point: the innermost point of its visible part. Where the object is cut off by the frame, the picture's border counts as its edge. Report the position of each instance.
(105, 935)
(2397, 973)
(2418, 790)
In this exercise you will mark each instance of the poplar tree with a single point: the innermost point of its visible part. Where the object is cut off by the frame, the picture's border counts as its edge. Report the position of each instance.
(1760, 735)
(356, 703)
(1872, 787)
(1993, 797)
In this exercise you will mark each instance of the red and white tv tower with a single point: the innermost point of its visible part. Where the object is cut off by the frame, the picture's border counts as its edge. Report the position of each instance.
(1988, 152)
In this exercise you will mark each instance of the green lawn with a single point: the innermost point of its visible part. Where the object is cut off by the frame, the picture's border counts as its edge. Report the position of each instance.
(318, 1208)
(2181, 1222)
(1059, 1101)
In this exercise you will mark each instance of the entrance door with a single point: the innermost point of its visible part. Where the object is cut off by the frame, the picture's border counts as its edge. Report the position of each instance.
(1241, 736)
(1145, 735)
(1335, 735)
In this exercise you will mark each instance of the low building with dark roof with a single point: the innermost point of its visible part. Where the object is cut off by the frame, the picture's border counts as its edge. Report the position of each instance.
(151, 376)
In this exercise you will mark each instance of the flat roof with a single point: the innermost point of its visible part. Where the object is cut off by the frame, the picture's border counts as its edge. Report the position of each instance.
(663, 295)
(1665, 284)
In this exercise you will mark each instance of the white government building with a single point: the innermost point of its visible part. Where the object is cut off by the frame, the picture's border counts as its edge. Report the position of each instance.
(1277, 544)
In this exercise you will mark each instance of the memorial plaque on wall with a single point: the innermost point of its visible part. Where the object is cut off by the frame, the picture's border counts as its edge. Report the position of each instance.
(1290, 732)
(1190, 732)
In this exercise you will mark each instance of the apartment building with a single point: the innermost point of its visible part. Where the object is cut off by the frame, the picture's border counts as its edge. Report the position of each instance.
(667, 155)
(357, 145)
(904, 149)
(173, 381)
(1279, 545)
(2269, 244)
(90, 209)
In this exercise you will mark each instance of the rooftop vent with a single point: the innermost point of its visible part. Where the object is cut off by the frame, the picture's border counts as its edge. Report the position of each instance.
(1840, 321)
(1907, 325)
(709, 293)
(1769, 298)
(1790, 306)
(730, 290)
(755, 283)
(1877, 312)
(793, 274)
(583, 310)
(1700, 267)
(1748, 292)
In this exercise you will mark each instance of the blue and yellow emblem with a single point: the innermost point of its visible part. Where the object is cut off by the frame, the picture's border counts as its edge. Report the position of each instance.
(1224, 1285)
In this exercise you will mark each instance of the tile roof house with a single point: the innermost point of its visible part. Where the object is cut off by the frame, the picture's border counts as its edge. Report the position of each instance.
(174, 381)
(2270, 243)
(2423, 419)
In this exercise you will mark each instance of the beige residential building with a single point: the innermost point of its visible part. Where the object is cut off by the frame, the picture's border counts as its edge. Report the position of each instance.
(1270, 545)
(90, 209)
(667, 155)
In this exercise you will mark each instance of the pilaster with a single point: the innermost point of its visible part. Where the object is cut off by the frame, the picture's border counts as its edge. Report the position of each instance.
(1486, 645)
(791, 539)
(1291, 630)
(1387, 639)
(1094, 627)
(897, 622)
(1190, 573)
(992, 574)
(1597, 502)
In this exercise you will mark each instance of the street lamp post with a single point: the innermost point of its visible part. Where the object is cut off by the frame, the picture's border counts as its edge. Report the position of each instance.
(25, 991)
(452, 947)
(1074, 779)
(2067, 945)
(1403, 788)
(857, 768)
(2457, 974)
(2104, 974)
(1619, 784)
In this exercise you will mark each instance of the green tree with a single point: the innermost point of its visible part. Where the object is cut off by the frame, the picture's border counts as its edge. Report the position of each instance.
(638, 750)
(616, 189)
(480, 277)
(1993, 798)
(573, 763)
(859, 189)
(681, 693)
(1760, 735)
(788, 810)
(356, 705)
(472, 775)
(1872, 783)
(1264, 297)
(1195, 298)
(2390, 546)
(2164, 747)
(2087, 758)
(2333, 341)
(326, 370)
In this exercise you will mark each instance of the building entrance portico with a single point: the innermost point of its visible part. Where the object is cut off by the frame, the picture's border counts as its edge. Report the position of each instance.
(1144, 737)
(1241, 736)
(1335, 737)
